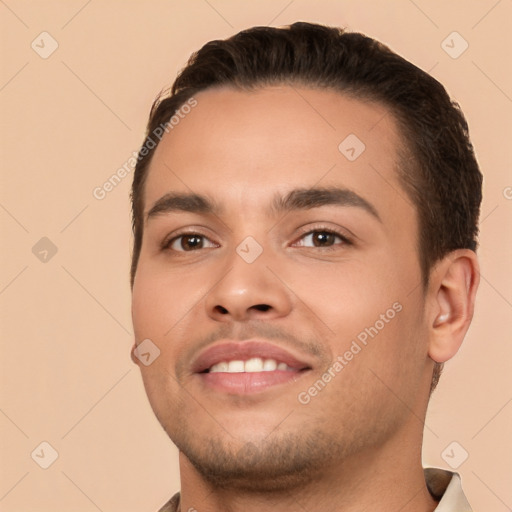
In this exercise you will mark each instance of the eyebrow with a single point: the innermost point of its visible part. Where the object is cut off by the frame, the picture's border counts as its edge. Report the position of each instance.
(297, 199)
(179, 202)
(306, 198)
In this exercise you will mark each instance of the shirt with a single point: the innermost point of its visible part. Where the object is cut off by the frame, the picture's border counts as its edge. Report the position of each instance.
(443, 485)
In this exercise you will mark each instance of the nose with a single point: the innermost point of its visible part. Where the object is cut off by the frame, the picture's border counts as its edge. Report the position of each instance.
(248, 291)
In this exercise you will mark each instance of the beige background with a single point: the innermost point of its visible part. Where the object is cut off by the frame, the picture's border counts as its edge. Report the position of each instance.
(70, 120)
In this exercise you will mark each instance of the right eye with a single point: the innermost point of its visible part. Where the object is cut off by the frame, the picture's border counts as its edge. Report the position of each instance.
(189, 242)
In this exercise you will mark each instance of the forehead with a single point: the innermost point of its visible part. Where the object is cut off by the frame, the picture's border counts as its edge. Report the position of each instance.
(244, 146)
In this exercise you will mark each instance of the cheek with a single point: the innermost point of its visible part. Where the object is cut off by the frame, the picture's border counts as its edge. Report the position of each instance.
(380, 366)
(347, 296)
(366, 309)
(160, 299)
(167, 308)
(146, 300)
(153, 312)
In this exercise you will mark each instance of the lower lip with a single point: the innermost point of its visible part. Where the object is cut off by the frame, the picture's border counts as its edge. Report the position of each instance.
(244, 383)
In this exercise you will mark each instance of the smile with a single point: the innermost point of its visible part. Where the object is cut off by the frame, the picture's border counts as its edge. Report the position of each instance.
(248, 367)
(253, 365)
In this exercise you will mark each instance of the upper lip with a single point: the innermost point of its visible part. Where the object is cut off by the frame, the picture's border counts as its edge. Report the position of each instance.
(244, 350)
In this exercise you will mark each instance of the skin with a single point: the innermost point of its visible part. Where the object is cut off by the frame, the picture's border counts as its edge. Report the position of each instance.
(347, 448)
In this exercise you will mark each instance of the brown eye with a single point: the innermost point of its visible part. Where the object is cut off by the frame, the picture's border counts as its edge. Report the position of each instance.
(190, 242)
(321, 238)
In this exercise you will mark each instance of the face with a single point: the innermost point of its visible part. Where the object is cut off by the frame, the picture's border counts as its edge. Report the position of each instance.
(279, 279)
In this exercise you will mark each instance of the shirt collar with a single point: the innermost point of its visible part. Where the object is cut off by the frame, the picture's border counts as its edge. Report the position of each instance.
(446, 487)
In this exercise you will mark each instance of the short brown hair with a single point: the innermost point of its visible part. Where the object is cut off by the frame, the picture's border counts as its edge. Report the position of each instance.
(439, 170)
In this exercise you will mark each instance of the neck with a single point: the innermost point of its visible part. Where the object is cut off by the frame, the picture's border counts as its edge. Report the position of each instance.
(386, 478)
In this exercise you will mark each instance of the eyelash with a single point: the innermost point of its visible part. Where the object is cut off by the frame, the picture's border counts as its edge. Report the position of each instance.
(166, 244)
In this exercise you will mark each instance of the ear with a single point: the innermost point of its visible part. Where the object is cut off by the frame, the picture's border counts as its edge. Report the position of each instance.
(132, 354)
(452, 290)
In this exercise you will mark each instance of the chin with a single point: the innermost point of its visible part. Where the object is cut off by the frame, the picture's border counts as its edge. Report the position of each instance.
(273, 465)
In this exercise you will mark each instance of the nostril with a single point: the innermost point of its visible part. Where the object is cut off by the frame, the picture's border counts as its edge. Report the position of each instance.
(259, 307)
(262, 307)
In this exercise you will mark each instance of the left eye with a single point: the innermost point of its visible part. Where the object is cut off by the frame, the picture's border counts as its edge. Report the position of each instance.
(190, 242)
(320, 239)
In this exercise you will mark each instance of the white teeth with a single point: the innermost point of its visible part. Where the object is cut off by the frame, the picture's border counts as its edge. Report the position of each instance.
(219, 367)
(236, 366)
(253, 365)
(269, 365)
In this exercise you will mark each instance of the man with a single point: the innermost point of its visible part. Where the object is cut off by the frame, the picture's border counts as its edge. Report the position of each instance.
(305, 214)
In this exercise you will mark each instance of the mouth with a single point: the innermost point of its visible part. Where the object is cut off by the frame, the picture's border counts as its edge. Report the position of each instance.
(248, 367)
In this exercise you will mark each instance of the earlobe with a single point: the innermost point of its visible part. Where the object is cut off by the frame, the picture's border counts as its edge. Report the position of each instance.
(453, 287)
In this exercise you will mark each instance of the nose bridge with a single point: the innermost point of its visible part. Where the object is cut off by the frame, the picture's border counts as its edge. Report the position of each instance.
(248, 288)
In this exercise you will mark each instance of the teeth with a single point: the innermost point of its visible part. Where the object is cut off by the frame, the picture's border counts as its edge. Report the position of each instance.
(219, 367)
(235, 366)
(253, 365)
(269, 365)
